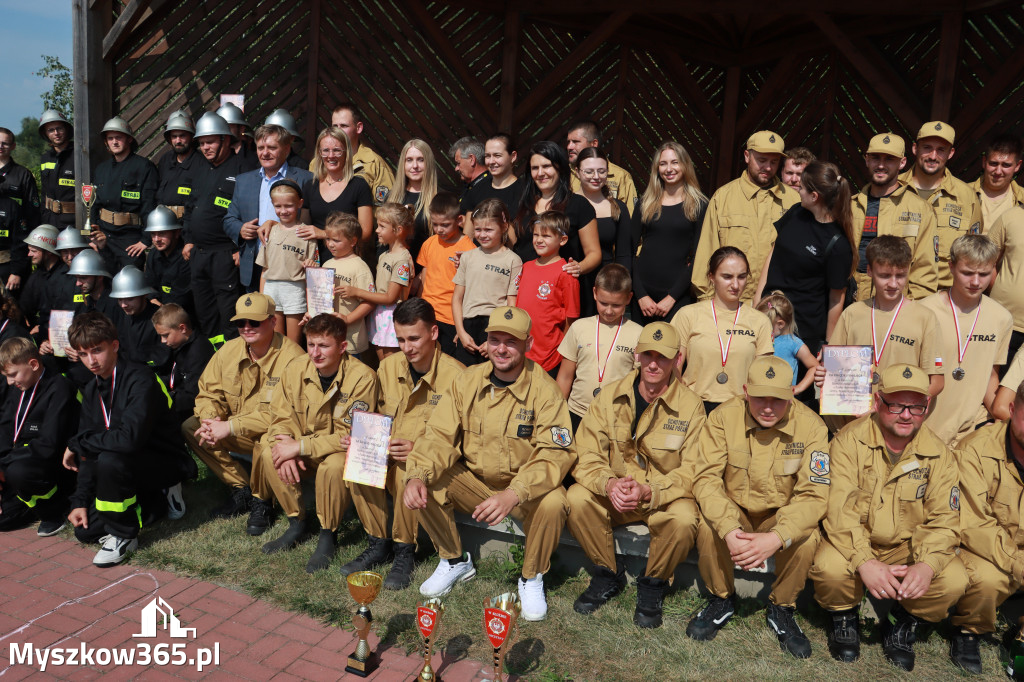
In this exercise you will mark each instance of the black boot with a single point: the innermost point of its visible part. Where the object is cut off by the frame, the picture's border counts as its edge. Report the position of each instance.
(603, 586)
(290, 539)
(240, 503)
(704, 626)
(400, 575)
(898, 636)
(782, 621)
(650, 593)
(379, 551)
(261, 515)
(964, 651)
(844, 639)
(326, 546)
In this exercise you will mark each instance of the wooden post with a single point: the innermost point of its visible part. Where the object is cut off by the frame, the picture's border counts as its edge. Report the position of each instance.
(945, 72)
(509, 67)
(93, 99)
(830, 109)
(620, 104)
(727, 139)
(313, 82)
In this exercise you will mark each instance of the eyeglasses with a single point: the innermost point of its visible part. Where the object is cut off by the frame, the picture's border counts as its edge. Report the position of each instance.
(331, 152)
(897, 408)
(241, 324)
(594, 173)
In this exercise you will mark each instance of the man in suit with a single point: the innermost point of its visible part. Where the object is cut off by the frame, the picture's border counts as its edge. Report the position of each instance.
(251, 206)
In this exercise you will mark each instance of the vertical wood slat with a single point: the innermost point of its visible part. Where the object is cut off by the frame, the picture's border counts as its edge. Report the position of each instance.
(509, 71)
(945, 73)
(727, 141)
(93, 89)
(313, 70)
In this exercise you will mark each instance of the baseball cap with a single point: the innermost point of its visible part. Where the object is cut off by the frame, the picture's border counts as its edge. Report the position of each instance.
(887, 143)
(660, 337)
(511, 320)
(770, 377)
(255, 306)
(903, 378)
(937, 129)
(766, 142)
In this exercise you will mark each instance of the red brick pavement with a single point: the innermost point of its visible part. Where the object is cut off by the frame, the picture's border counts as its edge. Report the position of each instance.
(52, 596)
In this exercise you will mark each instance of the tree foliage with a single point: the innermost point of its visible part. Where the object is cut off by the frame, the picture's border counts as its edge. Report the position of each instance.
(62, 95)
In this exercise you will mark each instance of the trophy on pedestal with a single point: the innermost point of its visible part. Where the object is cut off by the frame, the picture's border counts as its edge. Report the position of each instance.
(501, 614)
(428, 619)
(88, 199)
(364, 587)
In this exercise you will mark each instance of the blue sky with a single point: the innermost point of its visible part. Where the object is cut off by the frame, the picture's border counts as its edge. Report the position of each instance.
(30, 29)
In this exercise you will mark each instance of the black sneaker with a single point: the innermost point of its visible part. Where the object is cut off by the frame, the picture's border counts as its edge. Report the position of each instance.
(50, 528)
(965, 652)
(650, 596)
(782, 621)
(709, 620)
(400, 575)
(604, 584)
(240, 503)
(260, 517)
(844, 639)
(379, 551)
(898, 636)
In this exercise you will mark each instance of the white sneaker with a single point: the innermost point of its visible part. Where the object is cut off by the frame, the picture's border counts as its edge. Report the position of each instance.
(103, 539)
(446, 575)
(175, 502)
(115, 551)
(531, 598)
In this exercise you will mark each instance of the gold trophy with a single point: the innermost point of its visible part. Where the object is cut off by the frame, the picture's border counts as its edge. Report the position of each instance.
(88, 199)
(501, 614)
(428, 618)
(364, 587)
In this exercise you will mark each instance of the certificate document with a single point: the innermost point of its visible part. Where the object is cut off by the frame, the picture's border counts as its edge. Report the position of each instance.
(319, 291)
(847, 387)
(366, 462)
(60, 320)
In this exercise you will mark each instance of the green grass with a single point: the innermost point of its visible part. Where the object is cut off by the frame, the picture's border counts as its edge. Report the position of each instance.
(566, 646)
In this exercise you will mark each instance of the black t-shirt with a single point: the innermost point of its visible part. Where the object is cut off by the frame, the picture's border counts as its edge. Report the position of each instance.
(641, 404)
(500, 383)
(869, 232)
(579, 212)
(665, 262)
(355, 195)
(422, 226)
(616, 237)
(479, 193)
(325, 382)
(802, 270)
(416, 376)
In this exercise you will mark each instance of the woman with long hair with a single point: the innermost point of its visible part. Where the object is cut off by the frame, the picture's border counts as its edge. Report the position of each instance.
(415, 186)
(813, 257)
(671, 215)
(500, 159)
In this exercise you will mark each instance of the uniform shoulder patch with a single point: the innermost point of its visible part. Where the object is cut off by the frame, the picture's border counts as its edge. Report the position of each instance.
(380, 194)
(403, 272)
(561, 436)
(358, 405)
(819, 463)
(954, 498)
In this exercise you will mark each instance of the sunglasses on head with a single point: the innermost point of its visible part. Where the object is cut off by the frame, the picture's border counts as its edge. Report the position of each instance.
(248, 323)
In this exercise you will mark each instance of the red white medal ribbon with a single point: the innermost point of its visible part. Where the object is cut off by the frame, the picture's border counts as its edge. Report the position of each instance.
(32, 396)
(601, 368)
(4, 326)
(173, 367)
(103, 405)
(962, 351)
(874, 339)
(724, 348)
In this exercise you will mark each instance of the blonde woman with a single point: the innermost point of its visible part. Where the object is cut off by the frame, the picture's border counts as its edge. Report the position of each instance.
(415, 186)
(671, 214)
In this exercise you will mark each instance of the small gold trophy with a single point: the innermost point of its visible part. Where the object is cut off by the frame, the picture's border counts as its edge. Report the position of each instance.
(364, 587)
(501, 614)
(428, 618)
(88, 199)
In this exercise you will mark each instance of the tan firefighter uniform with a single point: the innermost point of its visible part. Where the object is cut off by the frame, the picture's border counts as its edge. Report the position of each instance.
(762, 480)
(237, 389)
(317, 420)
(410, 406)
(653, 455)
(992, 546)
(901, 513)
(483, 439)
(370, 166)
(991, 211)
(620, 184)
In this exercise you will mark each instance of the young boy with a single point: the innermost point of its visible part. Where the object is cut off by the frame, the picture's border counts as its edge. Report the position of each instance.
(439, 260)
(189, 354)
(35, 424)
(134, 325)
(972, 341)
(350, 270)
(167, 271)
(547, 292)
(899, 330)
(128, 449)
(598, 350)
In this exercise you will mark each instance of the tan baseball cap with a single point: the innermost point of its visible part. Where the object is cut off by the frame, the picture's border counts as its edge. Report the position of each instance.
(660, 337)
(514, 321)
(766, 142)
(770, 377)
(903, 378)
(255, 306)
(937, 129)
(887, 143)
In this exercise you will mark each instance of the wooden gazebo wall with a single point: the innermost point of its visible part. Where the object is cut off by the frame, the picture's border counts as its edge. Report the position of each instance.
(442, 70)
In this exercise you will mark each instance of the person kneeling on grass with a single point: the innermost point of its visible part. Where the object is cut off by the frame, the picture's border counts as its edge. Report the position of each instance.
(762, 482)
(311, 408)
(35, 424)
(128, 452)
(638, 475)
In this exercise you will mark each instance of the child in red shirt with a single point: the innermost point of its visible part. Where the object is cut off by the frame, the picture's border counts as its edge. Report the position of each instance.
(547, 292)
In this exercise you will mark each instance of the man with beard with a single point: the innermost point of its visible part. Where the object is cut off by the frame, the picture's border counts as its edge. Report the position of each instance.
(178, 166)
(886, 206)
(743, 212)
(366, 163)
(57, 170)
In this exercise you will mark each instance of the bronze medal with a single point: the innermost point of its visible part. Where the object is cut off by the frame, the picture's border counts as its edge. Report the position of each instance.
(959, 373)
(875, 379)
(596, 391)
(722, 377)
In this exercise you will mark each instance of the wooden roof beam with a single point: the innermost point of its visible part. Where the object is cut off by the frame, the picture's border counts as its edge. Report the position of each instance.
(509, 69)
(999, 83)
(945, 71)
(726, 7)
(685, 81)
(769, 93)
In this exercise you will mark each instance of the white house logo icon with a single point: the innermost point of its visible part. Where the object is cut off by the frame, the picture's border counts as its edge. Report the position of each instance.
(150, 617)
